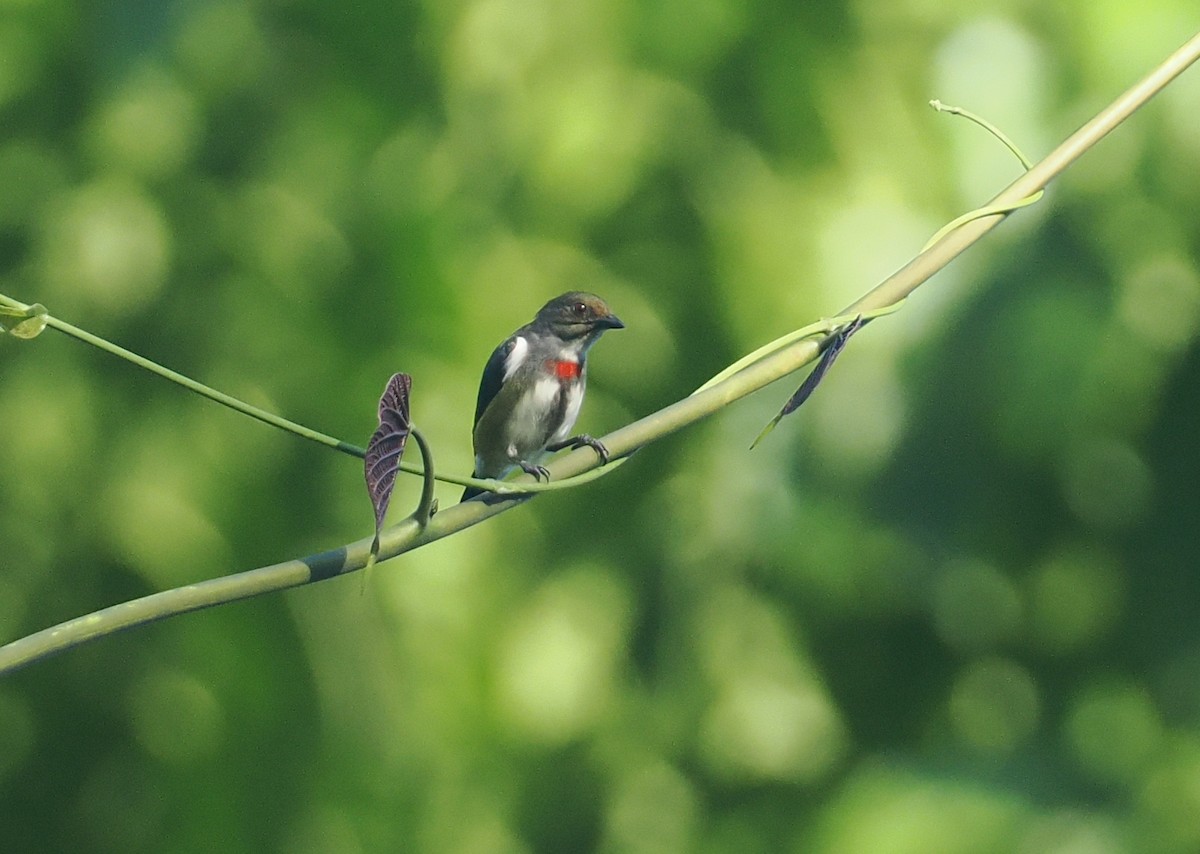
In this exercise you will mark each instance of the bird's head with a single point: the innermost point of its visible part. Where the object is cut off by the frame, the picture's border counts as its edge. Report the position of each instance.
(577, 315)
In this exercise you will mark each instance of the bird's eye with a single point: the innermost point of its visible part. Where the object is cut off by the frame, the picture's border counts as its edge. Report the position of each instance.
(580, 308)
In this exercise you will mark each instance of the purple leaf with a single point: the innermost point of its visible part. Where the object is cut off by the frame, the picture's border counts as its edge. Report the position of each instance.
(386, 447)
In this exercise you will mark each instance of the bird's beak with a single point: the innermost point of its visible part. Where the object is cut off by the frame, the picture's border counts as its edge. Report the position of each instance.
(610, 322)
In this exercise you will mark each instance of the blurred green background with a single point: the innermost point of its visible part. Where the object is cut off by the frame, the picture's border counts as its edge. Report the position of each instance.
(951, 606)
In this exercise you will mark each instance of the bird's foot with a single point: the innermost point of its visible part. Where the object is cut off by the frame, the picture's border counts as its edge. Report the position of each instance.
(583, 440)
(539, 473)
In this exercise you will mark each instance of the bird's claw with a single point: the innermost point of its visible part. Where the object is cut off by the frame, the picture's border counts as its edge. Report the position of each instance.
(539, 473)
(583, 440)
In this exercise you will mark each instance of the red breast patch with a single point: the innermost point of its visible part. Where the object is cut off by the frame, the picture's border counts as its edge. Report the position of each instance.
(565, 370)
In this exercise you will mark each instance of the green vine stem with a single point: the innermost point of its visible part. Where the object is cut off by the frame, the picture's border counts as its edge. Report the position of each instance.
(190, 384)
(986, 125)
(426, 504)
(989, 210)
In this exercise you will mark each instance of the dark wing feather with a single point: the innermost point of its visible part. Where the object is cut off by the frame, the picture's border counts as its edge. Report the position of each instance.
(493, 378)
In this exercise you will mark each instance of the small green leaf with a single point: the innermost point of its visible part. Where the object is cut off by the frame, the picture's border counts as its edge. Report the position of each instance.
(23, 322)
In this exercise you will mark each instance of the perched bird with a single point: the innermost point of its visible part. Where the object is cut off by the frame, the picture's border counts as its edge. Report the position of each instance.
(532, 388)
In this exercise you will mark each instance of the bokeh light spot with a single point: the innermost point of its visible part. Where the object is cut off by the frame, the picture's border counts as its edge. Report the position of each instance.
(498, 40)
(653, 810)
(1160, 302)
(175, 717)
(1114, 729)
(1075, 596)
(111, 243)
(758, 222)
(766, 729)
(1107, 485)
(770, 718)
(866, 238)
(1071, 832)
(994, 705)
(975, 606)
(886, 811)
(557, 659)
(221, 45)
(859, 414)
(149, 129)
(291, 242)
(156, 527)
(595, 131)
(1169, 801)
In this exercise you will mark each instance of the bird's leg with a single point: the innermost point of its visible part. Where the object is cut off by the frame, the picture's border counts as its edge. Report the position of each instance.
(539, 473)
(580, 441)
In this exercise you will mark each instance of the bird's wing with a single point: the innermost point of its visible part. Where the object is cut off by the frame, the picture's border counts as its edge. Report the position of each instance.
(495, 372)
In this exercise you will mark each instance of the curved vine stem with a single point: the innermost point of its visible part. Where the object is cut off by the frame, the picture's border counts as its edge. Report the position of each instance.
(986, 125)
(990, 210)
(425, 506)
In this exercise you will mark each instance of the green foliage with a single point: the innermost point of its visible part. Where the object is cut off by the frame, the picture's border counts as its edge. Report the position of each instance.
(949, 606)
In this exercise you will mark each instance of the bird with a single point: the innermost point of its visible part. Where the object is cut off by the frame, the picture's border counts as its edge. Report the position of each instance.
(532, 388)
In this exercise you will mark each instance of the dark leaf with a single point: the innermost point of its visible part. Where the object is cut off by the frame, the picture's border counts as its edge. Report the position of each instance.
(386, 447)
(832, 350)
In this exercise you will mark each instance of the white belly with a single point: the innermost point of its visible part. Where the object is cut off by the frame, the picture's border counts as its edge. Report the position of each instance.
(574, 401)
(528, 438)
